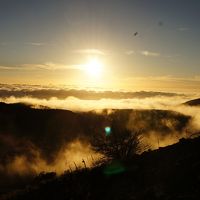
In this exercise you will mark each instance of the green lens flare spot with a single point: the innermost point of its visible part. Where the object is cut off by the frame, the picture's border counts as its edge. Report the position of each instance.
(114, 168)
(107, 130)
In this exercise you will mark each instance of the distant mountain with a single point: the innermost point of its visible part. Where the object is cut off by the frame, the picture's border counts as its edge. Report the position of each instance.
(194, 102)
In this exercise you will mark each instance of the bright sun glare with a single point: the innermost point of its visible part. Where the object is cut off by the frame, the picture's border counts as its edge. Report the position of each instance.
(94, 67)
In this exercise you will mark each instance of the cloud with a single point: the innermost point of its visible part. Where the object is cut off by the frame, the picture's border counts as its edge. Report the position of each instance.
(75, 104)
(90, 51)
(130, 52)
(41, 92)
(191, 111)
(183, 29)
(13, 68)
(36, 43)
(10, 68)
(50, 66)
(149, 53)
(45, 66)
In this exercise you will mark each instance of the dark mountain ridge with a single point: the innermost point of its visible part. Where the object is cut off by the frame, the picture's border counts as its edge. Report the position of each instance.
(23, 127)
(194, 102)
(49, 129)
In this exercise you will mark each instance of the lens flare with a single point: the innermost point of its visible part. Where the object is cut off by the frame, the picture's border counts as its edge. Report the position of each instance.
(114, 168)
(108, 130)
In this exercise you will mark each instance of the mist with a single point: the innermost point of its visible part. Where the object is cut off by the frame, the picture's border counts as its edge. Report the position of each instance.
(77, 154)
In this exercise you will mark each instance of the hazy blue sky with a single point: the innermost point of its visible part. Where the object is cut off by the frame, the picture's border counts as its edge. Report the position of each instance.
(45, 40)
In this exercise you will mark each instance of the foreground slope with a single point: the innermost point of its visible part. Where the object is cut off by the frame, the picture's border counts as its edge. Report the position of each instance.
(171, 172)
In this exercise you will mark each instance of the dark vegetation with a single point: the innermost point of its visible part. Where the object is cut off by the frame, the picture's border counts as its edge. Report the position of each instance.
(118, 142)
(168, 173)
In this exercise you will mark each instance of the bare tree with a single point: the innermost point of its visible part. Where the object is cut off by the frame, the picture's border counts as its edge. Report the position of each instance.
(119, 143)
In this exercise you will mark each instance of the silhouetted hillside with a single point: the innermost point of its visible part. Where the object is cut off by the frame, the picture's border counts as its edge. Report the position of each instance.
(167, 173)
(194, 102)
(23, 128)
(45, 128)
(32, 140)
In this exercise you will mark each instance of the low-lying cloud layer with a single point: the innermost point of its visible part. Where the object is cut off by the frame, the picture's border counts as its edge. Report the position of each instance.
(40, 92)
(86, 100)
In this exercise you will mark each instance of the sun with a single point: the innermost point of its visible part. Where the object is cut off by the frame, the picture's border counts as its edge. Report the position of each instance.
(94, 67)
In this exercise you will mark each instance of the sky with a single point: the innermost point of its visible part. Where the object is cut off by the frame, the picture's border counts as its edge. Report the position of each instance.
(91, 43)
